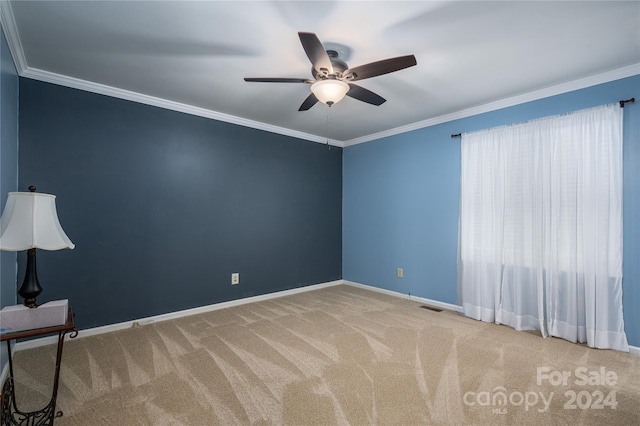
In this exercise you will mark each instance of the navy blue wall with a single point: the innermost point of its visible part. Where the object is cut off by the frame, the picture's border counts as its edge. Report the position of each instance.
(401, 200)
(8, 160)
(8, 167)
(164, 206)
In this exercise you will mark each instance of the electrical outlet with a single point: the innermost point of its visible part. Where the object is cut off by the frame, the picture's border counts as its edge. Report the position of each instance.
(235, 278)
(400, 273)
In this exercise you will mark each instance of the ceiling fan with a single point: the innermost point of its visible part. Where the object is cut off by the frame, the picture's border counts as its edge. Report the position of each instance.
(332, 77)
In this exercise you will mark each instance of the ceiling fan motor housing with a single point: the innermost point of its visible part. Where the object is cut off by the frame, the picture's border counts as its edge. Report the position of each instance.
(339, 66)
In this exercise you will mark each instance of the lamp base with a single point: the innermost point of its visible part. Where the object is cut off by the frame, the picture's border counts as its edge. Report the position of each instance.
(30, 303)
(30, 286)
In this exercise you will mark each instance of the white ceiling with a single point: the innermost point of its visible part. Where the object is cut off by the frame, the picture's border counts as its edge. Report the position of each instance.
(192, 56)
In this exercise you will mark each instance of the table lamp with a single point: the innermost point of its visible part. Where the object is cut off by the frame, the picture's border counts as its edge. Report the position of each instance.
(30, 222)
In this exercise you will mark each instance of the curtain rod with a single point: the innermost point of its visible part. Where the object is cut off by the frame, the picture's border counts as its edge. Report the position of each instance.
(628, 101)
(622, 103)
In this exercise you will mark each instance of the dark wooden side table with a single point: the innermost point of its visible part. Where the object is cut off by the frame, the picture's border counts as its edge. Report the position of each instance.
(10, 413)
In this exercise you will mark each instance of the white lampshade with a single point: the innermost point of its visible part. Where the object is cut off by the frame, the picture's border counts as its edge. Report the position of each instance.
(330, 91)
(30, 220)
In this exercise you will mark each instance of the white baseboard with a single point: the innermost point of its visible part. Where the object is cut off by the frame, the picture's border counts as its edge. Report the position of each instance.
(49, 340)
(430, 302)
(634, 350)
(171, 315)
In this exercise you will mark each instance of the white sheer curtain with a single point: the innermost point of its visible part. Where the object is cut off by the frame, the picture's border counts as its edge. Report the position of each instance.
(540, 226)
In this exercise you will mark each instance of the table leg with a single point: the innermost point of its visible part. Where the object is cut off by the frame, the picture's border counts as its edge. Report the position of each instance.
(11, 415)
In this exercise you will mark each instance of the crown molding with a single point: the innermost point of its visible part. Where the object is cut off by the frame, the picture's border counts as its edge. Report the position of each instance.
(15, 46)
(102, 89)
(10, 30)
(115, 92)
(559, 89)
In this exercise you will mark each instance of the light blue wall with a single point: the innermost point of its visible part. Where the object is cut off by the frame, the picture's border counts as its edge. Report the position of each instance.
(400, 206)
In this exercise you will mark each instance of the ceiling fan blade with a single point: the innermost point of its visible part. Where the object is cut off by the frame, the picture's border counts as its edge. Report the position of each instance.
(308, 103)
(316, 52)
(374, 69)
(278, 80)
(365, 95)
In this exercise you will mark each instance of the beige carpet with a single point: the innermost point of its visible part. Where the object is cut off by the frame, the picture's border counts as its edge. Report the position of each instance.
(340, 355)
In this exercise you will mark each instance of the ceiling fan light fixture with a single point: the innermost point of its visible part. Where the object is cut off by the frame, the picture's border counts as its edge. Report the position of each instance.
(330, 91)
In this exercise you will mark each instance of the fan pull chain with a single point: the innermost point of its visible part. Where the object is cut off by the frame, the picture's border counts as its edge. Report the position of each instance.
(328, 128)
